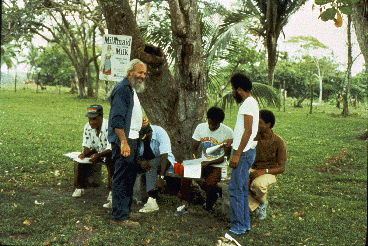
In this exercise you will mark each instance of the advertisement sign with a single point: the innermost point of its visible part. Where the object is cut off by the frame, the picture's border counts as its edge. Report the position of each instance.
(115, 56)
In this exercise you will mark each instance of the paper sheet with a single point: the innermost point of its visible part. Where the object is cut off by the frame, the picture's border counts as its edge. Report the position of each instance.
(74, 156)
(192, 168)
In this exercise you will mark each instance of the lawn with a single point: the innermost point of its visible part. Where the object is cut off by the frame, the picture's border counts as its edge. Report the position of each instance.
(321, 198)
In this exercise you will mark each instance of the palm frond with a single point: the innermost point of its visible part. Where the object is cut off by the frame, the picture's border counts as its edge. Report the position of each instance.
(264, 94)
(224, 39)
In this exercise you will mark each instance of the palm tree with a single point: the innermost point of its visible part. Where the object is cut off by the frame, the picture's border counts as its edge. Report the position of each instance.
(273, 15)
(8, 53)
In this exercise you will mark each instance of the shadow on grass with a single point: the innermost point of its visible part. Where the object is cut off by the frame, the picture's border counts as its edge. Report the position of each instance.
(50, 215)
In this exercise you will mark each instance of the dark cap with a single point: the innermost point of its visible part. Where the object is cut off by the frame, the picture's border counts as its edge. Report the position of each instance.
(94, 111)
(144, 131)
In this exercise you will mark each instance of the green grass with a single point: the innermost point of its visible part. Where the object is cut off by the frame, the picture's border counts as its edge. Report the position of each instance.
(321, 199)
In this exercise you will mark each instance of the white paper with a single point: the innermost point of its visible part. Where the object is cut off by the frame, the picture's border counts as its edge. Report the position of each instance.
(192, 168)
(74, 156)
(212, 149)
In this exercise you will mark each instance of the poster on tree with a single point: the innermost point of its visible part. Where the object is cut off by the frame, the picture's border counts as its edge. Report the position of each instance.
(115, 56)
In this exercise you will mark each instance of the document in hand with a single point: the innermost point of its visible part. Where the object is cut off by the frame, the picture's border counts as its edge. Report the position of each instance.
(74, 156)
(192, 168)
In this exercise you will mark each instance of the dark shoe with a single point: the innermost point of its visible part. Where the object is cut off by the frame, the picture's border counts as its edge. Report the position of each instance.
(234, 237)
(127, 223)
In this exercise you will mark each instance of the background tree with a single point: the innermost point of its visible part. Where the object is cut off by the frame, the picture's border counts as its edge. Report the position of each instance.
(273, 16)
(69, 24)
(332, 10)
(311, 45)
(360, 21)
(54, 66)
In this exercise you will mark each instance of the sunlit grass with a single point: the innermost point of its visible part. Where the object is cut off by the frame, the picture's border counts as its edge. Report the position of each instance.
(321, 199)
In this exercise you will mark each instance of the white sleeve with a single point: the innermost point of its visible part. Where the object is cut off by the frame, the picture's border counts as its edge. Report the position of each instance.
(86, 137)
(164, 140)
(197, 133)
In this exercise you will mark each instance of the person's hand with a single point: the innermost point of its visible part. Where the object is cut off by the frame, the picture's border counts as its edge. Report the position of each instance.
(227, 143)
(144, 122)
(81, 156)
(205, 163)
(94, 158)
(146, 166)
(125, 149)
(234, 161)
(159, 184)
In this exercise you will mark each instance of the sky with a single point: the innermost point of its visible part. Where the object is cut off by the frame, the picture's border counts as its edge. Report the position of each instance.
(305, 22)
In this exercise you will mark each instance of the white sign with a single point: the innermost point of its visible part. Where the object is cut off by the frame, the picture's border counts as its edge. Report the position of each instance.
(115, 56)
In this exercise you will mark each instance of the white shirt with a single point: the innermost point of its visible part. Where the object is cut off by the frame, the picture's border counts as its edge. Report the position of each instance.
(92, 141)
(136, 120)
(248, 107)
(160, 144)
(210, 138)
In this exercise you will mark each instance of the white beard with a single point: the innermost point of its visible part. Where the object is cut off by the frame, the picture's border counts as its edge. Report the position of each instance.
(138, 87)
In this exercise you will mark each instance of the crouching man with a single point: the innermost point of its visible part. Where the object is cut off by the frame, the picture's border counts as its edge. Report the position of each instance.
(95, 146)
(269, 162)
(155, 158)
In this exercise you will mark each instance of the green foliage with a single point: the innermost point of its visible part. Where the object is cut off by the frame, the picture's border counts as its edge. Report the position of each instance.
(330, 7)
(55, 66)
(346, 10)
(328, 14)
(307, 42)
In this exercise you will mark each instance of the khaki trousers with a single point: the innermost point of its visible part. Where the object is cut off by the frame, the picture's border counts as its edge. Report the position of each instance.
(258, 189)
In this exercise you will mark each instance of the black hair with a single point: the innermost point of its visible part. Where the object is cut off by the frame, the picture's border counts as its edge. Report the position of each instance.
(216, 114)
(240, 80)
(267, 116)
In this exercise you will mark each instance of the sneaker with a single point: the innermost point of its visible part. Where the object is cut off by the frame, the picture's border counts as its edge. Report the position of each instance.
(78, 193)
(233, 237)
(108, 204)
(127, 223)
(262, 210)
(150, 206)
(181, 210)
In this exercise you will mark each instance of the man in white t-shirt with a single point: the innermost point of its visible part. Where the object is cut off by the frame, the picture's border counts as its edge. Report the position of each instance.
(245, 131)
(208, 135)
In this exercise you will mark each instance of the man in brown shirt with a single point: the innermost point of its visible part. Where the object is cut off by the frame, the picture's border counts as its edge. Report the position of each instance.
(269, 162)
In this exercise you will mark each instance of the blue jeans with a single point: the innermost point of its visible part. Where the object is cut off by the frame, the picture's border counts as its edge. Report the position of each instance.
(238, 190)
(123, 180)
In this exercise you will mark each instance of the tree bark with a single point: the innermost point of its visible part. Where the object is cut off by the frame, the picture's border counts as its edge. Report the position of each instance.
(176, 103)
(272, 35)
(345, 95)
(360, 21)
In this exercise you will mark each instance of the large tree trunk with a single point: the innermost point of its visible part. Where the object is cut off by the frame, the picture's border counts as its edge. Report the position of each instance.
(272, 34)
(360, 20)
(176, 103)
(81, 86)
(345, 95)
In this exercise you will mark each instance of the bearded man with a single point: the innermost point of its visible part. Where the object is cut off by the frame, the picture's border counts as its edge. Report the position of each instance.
(125, 122)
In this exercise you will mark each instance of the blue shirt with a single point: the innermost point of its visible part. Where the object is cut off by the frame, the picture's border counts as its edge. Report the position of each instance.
(121, 110)
(160, 144)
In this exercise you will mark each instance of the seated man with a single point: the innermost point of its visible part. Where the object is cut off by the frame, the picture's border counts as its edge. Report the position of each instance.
(208, 135)
(269, 162)
(155, 158)
(95, 146)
